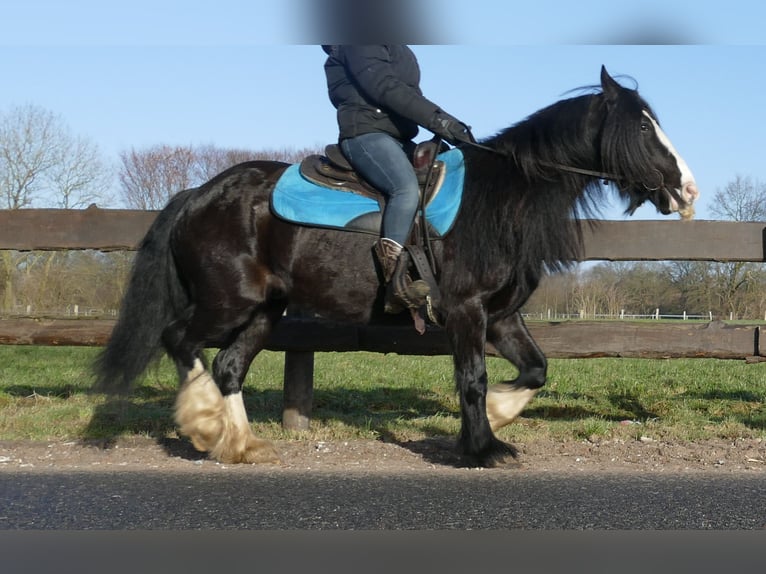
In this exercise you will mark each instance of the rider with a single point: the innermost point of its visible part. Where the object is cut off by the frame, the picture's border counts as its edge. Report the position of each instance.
(376, 91)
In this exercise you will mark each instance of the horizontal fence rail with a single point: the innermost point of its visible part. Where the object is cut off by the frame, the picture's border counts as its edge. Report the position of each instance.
(568, 339)
(637, 240)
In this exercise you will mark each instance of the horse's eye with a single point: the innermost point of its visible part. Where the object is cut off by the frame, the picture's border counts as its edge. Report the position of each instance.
(645, 127)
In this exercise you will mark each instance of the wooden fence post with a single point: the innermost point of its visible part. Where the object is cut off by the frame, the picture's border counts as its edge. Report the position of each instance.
(298, 390)
(298, 385)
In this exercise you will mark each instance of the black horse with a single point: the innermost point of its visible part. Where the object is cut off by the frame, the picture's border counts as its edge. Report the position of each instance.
(217, 268)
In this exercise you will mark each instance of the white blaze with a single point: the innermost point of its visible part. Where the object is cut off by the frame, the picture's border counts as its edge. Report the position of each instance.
(688, 191)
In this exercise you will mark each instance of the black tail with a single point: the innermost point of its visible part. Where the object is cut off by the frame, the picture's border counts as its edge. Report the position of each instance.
(153, 299)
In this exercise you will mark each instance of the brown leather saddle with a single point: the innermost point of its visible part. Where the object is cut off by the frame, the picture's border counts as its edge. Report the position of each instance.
(334, 171)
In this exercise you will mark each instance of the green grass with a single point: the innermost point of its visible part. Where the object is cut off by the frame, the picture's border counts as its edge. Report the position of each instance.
(44, 395)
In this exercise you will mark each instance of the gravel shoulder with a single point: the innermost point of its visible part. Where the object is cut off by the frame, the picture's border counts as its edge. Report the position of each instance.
(431, 455)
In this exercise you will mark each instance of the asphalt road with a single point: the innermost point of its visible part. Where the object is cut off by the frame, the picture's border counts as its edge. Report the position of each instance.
(353, 501)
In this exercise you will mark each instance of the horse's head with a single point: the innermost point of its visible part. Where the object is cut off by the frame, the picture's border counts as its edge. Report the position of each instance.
(635, 148)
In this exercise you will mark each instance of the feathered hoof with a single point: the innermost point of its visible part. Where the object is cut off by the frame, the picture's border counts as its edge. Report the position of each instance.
(505, 401)
(498, 454)
(218, 425)
(252, 450)
(199, 410)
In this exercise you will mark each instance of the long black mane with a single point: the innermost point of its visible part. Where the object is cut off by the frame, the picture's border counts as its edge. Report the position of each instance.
(518, 205)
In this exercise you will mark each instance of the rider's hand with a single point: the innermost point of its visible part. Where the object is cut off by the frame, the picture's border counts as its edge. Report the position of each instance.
(450, 128)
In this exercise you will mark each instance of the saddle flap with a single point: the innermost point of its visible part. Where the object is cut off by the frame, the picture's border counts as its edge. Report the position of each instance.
(320, 170)
(335, 155)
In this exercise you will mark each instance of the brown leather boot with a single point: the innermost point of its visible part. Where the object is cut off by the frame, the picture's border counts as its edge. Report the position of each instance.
(401, 291)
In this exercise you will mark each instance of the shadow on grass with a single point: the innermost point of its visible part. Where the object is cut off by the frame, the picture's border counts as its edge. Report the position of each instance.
(732, 395)
(756, 421)
(52, 391)
(620, 406)
(753, 413)
(572, 407)
(148, 411)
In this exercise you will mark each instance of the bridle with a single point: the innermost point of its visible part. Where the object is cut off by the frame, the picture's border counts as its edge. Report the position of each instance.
(559, 166)
(603, 176)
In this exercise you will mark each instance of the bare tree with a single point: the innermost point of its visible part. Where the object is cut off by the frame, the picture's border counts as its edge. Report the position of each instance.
(690, 282)
(79, 177)
(26, 147)
(42, 163)
(150, 177)
(743, 199)
(554, 297)
(213, 160)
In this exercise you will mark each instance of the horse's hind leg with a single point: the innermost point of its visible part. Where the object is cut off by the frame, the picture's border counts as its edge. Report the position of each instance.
(512, 340)
(237, 442)
(209, 409)
(199, 404)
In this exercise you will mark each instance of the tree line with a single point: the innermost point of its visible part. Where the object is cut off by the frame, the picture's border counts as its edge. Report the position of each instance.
(725, 290)
(43, 164)
(680, 288)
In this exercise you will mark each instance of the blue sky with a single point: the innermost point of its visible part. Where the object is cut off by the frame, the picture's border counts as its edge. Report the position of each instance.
(136, 74)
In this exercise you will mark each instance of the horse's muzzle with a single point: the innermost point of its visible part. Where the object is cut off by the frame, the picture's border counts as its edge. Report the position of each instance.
(683, 201)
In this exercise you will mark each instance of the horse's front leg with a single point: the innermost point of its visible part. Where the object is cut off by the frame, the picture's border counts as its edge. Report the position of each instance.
(512, 340)
(466, 326)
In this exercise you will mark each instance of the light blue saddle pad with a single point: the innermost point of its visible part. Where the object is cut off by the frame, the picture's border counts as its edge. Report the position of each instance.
(301, 201)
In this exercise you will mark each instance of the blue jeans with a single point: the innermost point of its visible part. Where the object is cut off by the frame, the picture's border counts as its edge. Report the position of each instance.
(382, 162)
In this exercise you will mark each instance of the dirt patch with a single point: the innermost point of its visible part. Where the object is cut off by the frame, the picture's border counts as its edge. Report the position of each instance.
(614, 456)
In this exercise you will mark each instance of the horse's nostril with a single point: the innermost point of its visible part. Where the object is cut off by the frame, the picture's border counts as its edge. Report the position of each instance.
(689, 191)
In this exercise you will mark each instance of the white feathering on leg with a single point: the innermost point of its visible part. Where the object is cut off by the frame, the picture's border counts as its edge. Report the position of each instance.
(199, 408)
(505, 402)
(217, 424)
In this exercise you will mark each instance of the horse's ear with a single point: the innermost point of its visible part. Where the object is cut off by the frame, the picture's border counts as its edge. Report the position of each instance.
(609, 86)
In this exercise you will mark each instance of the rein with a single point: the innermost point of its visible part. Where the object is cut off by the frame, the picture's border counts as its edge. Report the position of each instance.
(559, 166)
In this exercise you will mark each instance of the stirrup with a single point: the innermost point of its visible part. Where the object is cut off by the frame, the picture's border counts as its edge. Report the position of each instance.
(402, 292)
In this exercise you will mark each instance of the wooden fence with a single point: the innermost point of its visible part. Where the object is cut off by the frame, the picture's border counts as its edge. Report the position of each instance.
(101, 229)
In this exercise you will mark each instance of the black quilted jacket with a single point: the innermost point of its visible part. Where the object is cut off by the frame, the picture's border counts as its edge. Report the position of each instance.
(377, 89)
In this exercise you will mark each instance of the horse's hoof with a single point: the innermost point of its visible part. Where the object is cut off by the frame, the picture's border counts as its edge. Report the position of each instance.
(507, 461)
(260, 451)
(498, 454)
(255, 451)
